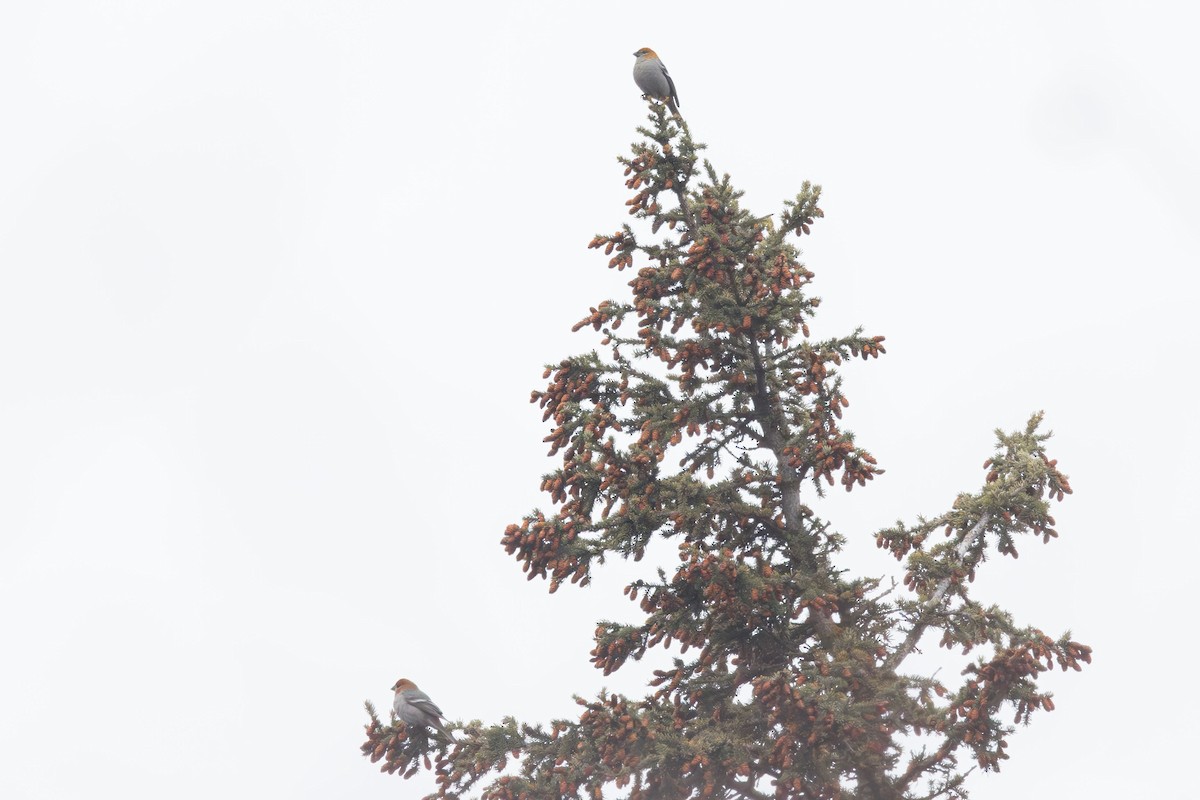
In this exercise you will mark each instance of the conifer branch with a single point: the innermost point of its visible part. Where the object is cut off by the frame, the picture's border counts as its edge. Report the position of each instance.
(930, 607)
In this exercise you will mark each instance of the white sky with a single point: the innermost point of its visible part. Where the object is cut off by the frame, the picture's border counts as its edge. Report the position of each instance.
(276, 280)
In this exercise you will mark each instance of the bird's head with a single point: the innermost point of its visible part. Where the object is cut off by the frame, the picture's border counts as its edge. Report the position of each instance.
(646, 52)
(403, 685)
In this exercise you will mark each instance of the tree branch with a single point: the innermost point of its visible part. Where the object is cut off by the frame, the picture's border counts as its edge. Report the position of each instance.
(918, 767)
(747, 790)
(926, 617)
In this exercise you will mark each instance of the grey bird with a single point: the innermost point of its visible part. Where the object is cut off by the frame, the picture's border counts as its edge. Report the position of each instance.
(415, 708)
(653, 79)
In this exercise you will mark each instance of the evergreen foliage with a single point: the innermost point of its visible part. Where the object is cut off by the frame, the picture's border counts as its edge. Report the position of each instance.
(708, 425)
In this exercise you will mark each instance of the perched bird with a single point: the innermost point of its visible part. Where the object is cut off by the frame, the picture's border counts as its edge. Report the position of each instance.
(653, 79)
(415, 708)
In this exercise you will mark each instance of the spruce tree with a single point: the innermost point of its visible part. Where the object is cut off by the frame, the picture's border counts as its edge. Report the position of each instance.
(714, 424)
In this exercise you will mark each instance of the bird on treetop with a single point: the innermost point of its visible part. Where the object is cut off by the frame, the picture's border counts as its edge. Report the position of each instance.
(416, 709)
(653, 79)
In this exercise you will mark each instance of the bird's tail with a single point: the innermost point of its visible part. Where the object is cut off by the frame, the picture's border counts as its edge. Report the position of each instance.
(445, 733)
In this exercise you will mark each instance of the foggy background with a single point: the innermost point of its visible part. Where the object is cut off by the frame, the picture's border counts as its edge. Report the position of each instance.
(276, 280)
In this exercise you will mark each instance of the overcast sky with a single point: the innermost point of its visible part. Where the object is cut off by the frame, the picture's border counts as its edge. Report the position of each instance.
(276, 280)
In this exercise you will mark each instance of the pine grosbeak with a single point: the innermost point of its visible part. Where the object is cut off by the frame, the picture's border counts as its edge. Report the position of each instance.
(415, 708)
(653, 79)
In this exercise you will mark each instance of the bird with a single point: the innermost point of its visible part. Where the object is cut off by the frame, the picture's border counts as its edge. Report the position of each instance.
(653, 79)
(416, 709)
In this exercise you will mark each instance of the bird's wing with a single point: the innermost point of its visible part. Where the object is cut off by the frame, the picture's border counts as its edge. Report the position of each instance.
(422, 701)
(671, 83)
